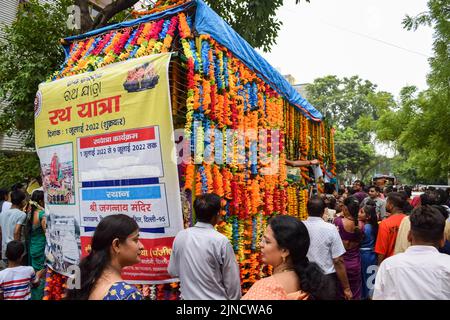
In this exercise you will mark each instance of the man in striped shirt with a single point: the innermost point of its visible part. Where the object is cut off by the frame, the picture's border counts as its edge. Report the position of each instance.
(16, 280)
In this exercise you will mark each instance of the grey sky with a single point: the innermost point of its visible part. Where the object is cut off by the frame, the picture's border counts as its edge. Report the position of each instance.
(318, 39)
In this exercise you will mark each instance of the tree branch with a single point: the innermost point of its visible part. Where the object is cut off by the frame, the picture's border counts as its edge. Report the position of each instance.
(86, 20)
(372, 165)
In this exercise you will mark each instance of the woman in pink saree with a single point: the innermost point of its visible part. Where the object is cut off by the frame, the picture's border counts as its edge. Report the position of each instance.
(351, 231)
(284, 246)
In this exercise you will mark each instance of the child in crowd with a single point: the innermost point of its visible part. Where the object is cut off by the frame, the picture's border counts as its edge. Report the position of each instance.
(16, 280)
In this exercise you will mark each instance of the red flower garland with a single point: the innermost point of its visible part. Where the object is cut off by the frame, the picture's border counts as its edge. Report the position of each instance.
(122, 41)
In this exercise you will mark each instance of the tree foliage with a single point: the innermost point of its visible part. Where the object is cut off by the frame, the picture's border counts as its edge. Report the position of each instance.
(18, 167)
(419, 125)
(419, 129)
(116, 10)
(254, 20)
(29, 53)
(353, 155)
(351, 105)
(344, 101)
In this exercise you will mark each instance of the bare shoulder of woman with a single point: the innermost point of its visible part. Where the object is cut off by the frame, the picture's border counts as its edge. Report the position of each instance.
(349, 225)
(100, 290)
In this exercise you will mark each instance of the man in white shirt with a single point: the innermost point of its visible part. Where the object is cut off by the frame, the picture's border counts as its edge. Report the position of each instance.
(13, 220)
(203, 258)
(326, 247)
(421, 272)
(4, 205)
(374, 194)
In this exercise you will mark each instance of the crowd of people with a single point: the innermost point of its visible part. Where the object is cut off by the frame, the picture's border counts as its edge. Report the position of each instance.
(346, 249)
(23, 240)
(374, 225)
(357, 243)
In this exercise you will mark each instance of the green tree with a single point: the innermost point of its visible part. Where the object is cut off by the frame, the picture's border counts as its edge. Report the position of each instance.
(419, 125)
(427, 135)
(29, 52)
(351, 105)
(18, 167)
(344, 101)
(353, 155)
(389, 127)
(418, 128)
(254, 20)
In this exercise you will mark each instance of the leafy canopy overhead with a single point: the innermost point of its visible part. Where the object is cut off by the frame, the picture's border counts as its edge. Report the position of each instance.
(351, 105)
(419, 126)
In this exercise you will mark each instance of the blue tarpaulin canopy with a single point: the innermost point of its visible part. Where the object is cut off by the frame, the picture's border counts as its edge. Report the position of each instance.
(208, 22)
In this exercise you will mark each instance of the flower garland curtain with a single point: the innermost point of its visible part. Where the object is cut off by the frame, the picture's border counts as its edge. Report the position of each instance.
(222, 93)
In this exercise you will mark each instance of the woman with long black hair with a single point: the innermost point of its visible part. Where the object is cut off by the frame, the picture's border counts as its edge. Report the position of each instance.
(115, 245)
(284, 246)
(351, 231)
(368, 215)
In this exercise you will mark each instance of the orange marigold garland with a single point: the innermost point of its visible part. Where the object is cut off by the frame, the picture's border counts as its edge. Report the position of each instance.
(183, 27)
(55, 286)
(189, 177)
(218, 181)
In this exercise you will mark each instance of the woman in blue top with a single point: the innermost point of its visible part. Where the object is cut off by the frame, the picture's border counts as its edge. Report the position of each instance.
(115, 245)
(368, 215)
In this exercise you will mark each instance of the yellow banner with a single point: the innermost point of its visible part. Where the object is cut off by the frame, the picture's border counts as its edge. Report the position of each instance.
(105, 141)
